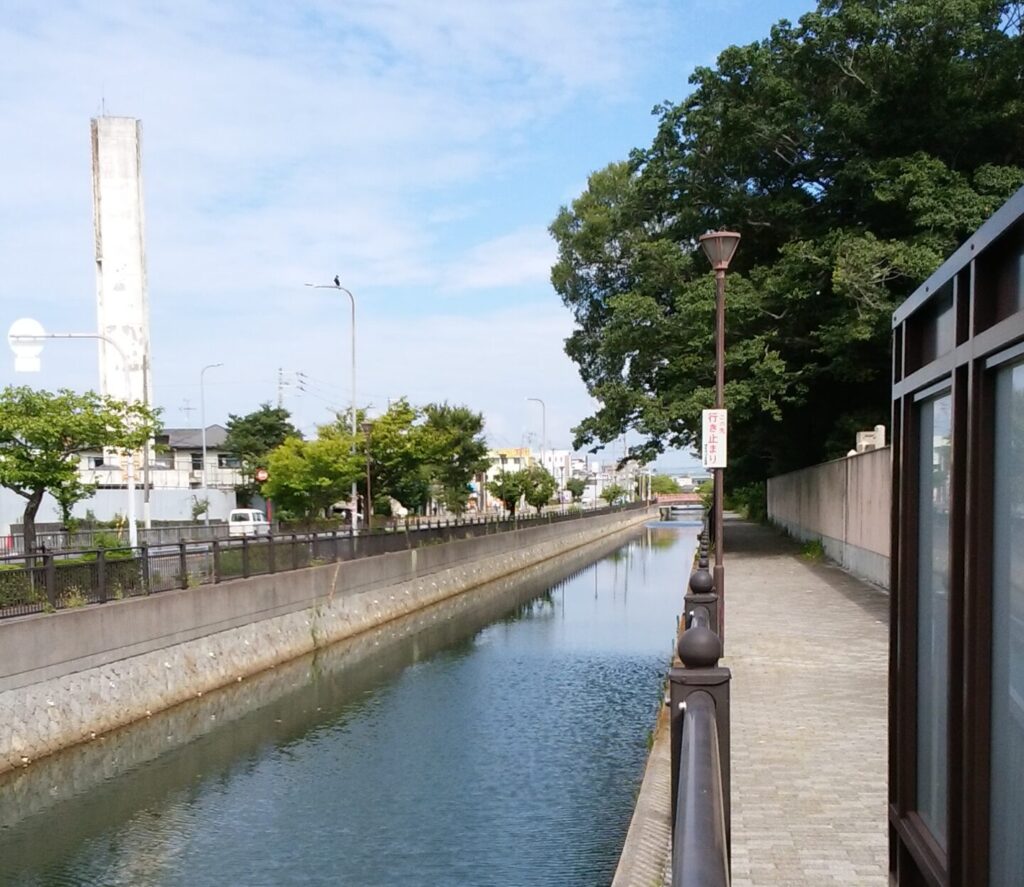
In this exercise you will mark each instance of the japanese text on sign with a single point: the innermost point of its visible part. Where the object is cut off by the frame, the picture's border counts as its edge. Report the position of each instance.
(713, 439)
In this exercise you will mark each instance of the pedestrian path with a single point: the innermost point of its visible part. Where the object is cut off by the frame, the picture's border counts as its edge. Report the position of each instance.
(807, 644)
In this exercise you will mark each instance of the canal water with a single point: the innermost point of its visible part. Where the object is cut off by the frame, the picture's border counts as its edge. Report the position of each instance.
(497, 739)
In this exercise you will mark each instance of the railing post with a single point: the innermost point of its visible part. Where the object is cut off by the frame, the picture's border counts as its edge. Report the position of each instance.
(183, 563)
(245, 557)
(270, 553)
(50, 577)
(215, 548)
(334, 542)
(144, 558)
(295, 552)
(101, 575)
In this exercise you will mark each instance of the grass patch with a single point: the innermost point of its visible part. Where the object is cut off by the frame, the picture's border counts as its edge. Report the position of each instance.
(812, 550)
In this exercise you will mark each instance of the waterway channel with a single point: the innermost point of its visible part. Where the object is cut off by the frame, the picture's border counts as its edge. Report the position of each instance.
(495, 739)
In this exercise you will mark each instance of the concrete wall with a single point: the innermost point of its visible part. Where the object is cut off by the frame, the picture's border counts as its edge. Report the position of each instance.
(67, 676)
(165, 505)
(845, 504)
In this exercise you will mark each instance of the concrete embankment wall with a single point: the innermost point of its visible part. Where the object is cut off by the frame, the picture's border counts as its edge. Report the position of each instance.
(67, 676)
(845, 504)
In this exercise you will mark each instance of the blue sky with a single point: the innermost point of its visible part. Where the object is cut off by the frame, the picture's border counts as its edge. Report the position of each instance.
(417, 148)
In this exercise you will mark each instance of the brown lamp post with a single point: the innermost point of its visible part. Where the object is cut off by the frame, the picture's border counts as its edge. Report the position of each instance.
(719, 247)
(367, 428)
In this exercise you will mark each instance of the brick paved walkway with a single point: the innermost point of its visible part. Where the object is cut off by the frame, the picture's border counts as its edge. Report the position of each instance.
(808, 647)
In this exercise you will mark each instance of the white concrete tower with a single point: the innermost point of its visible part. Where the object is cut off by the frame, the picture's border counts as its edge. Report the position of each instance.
(122, 301)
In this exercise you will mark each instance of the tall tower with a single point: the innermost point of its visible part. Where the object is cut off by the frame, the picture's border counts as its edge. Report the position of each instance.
(122, 301)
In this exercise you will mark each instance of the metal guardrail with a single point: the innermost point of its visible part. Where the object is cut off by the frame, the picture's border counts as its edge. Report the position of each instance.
(700, 736)
(55, 580)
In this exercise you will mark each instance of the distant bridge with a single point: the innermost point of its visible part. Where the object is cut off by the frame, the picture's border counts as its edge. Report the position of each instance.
(679, 498)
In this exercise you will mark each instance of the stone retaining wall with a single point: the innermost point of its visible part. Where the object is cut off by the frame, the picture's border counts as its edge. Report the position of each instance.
(69, 676)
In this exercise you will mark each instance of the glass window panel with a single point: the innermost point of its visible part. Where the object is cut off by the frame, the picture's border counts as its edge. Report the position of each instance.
(935, 451)
(1007, 803)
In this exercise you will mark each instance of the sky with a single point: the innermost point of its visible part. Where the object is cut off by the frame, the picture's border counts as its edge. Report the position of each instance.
(419, 149)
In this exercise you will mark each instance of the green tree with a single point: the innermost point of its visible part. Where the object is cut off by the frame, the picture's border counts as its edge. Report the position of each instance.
(308, 477)
(576, 486)
(662, 483)
(43, 433)
(539, 486)
(821, 144)
(251, 437)
(455, 449)
(509, 487)
(399, 463)
(613, 494)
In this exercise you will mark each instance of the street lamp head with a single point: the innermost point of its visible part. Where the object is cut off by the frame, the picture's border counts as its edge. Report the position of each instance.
(366, 426)
(26, 340)
(719, 247)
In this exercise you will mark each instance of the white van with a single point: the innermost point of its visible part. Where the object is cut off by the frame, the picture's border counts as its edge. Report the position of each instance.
(248, 522)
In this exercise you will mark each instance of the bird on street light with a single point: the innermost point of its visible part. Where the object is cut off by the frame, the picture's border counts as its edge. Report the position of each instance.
(337, 280)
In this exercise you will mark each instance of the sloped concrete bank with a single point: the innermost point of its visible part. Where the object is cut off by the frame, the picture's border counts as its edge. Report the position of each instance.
(69, 676)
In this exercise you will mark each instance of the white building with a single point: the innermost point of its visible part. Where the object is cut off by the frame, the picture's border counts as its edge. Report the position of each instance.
(177, 462)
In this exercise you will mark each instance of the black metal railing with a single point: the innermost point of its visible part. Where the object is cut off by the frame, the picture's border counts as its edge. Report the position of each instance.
(54, 580)
(699, 700)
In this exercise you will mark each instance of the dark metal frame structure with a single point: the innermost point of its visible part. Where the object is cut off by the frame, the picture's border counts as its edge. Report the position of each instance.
(952, 336)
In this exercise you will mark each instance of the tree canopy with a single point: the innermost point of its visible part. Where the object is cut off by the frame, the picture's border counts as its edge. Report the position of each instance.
(251, 437)
(411, 451)
(663, 483)
(539, 486)
(42, 434)
(308, 477)
(853, 151)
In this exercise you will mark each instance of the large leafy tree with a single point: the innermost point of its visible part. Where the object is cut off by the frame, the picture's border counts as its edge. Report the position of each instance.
(251, 437)
(853, 151)
(456, 450)
(508, 488)
(576, 487)
(308, 477)
(43, 433)
(539, 486)
(399, 465)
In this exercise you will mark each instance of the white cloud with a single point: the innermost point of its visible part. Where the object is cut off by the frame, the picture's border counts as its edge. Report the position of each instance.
(521, 257)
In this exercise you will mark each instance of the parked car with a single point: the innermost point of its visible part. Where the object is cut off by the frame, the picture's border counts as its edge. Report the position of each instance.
(248, 522)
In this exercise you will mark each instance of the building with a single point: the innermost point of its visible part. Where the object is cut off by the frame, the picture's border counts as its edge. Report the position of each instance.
(956, 701)
(177, 462)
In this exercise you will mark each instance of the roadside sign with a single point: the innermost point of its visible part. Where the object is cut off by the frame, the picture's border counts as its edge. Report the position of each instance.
(713, 438)
(261, 475)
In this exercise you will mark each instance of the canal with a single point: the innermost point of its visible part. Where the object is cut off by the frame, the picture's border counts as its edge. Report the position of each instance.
(495, 739)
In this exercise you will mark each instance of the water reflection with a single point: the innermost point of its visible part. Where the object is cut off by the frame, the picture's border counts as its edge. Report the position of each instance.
(496, 738)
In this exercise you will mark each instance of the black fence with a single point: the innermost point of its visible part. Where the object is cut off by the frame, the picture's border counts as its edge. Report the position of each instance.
(699, 700)
(55, 580)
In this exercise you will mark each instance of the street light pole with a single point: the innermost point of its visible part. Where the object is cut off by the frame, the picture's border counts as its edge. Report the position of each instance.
(543, 426)
(367, 428)
(129, 468)
(202, 421)
(719, 247)
(352, 300)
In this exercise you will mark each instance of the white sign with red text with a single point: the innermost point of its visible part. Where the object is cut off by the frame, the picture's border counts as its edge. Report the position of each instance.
(713, 439)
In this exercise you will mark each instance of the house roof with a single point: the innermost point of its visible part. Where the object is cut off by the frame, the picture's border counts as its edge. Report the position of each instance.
(192, 438)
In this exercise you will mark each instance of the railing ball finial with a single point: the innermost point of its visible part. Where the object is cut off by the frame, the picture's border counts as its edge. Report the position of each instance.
(701, 581)
(699, 647)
